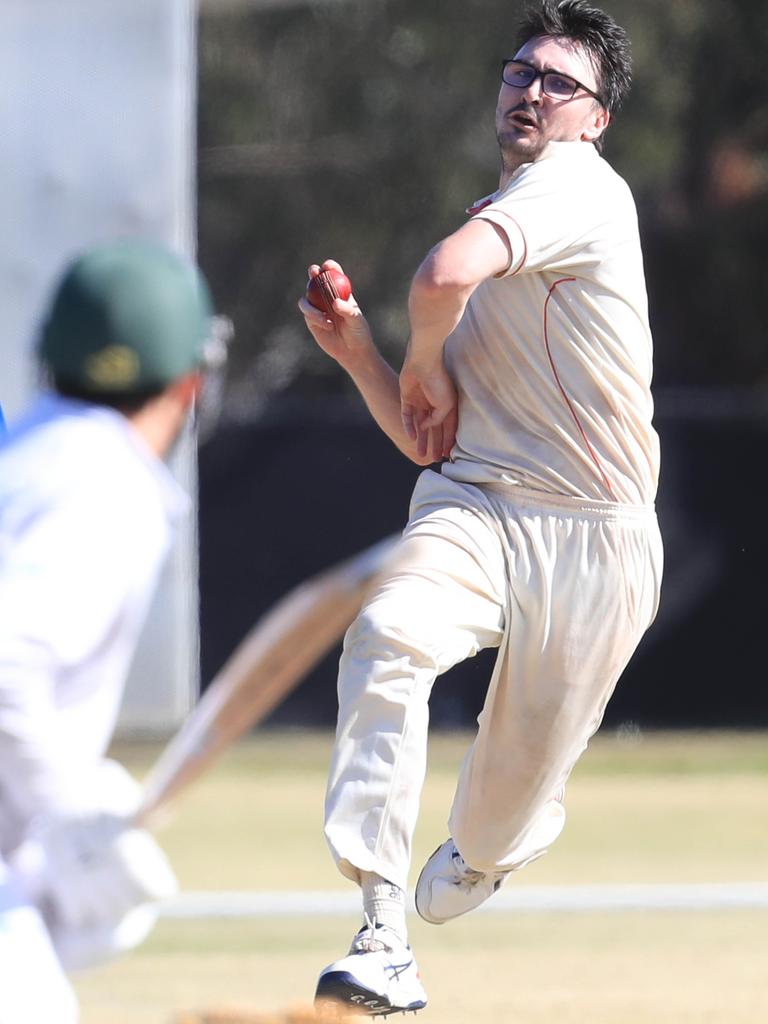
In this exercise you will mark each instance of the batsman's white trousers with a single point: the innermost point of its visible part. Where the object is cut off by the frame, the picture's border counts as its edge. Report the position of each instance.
(33, 986)
(564, 588)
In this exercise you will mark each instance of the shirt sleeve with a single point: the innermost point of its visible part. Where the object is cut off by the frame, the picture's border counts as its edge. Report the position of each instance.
(549, 218)
(65, 583)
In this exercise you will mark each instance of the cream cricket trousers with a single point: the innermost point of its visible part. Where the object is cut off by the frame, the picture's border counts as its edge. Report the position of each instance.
(564, 589)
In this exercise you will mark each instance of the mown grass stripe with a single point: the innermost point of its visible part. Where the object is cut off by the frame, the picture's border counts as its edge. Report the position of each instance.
(716, 896)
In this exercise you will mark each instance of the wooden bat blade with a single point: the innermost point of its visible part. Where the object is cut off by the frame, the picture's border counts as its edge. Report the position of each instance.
(265, 666)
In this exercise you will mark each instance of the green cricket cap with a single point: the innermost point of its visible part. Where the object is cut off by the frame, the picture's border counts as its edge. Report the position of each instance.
(127, 317)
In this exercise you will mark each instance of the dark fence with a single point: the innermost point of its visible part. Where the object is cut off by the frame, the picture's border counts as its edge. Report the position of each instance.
(290, 495)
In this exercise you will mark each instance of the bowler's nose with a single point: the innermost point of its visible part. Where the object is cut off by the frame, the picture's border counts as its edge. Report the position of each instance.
(533, 92)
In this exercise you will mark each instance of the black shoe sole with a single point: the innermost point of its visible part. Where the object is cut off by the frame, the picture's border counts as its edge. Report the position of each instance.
(340, 988)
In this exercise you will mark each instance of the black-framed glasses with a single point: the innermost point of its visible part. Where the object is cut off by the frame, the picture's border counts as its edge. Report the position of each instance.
(554, 84)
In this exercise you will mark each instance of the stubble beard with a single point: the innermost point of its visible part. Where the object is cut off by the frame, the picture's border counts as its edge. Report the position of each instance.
(516, 151)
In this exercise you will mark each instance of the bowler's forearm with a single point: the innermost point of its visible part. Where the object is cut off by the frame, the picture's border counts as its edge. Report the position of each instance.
(379, 387)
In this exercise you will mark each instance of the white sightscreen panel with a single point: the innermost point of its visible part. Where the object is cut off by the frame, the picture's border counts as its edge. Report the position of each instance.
(97, 120)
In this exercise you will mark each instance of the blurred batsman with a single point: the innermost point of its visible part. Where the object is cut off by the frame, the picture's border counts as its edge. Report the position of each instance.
(527, 376)
(87, 516)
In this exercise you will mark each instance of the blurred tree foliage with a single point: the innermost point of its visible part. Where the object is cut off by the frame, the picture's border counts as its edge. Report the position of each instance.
(361, 129)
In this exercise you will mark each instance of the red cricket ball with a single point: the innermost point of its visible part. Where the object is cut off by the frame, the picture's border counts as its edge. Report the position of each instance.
(327, 286)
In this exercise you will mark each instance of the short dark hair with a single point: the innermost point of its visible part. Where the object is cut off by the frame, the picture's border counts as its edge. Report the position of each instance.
(124, 402)
(606, 43)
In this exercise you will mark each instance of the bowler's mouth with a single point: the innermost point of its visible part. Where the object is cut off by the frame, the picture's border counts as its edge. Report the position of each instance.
(523, 119)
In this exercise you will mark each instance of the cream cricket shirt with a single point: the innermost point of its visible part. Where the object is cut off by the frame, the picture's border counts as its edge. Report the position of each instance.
(553, 359)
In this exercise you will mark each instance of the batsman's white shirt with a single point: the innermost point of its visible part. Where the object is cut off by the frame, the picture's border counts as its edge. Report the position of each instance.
(86, 518)
(553, 359)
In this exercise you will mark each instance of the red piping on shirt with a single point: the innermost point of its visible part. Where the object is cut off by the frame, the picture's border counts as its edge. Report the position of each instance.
(477, 207)
(580, 428)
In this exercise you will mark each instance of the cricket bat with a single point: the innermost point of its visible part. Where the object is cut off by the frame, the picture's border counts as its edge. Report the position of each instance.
(262, 670)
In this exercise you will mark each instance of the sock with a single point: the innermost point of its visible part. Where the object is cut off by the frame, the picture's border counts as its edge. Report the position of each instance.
(385, 902)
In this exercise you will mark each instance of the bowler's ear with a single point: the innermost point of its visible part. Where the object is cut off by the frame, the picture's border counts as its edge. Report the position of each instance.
(597, 125)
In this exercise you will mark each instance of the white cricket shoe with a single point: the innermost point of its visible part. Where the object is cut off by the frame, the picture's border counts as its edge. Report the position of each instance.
(379, 976)
(448, 887)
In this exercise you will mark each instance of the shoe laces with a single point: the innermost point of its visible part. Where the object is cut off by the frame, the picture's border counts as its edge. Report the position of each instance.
(467, 876)
(367, 940)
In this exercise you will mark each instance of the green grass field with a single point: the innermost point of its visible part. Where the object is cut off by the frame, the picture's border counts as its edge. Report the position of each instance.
(666, 808)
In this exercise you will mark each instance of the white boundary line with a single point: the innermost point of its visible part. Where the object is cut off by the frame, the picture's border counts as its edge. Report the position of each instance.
(719, 896)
